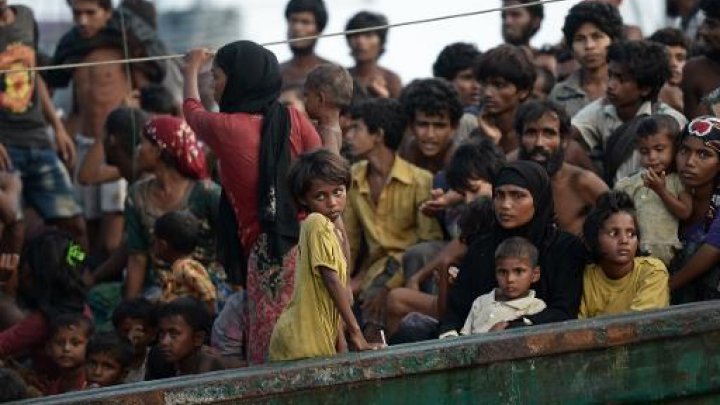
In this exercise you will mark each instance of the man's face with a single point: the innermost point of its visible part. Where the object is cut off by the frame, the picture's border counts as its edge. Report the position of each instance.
(518, 25)
(468, 87)
(361, 141)
(301, 25)
(501, 96)
(365, 47)
(677, 56)
(541, 142)
(89, 17)
(709, 34)
(622, 88)
(433, 133)
(589, 46)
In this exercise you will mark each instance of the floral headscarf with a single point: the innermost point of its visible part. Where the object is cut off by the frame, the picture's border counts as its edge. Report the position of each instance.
(174, 136)
(707, 129)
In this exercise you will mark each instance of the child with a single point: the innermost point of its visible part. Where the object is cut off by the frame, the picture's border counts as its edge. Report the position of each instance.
(69, 335)
(328, 89)
(109, 357)
(516, 269)
(320, 301)
(176, 236)
(183, 325)
(617, 281)
(659, 196)
(137, 321)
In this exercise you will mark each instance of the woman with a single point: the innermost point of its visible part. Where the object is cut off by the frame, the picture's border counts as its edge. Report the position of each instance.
(254, 138)
(522, 206)
(695, 272)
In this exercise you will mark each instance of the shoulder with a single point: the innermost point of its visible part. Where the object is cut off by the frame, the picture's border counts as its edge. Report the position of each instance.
(359, 168)
(647, 265)
(590, 112)
(418, 174)
(677, 115)
(565, 245)
(140, 186)
(316, 222)
(390, 75)
(586, 180)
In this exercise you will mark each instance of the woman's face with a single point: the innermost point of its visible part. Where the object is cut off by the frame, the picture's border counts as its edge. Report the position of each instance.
(147, 155)
(697, 164)
(514, 206)
(219, 81)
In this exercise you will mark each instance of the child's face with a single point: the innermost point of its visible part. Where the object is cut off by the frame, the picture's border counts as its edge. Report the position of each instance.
(177, 339)
(656, 152)
(313, 102)
(622, 88)
(325, 198)
(618, 241)
(137, 332)
(103, 369)
(67, 346)
(515, 275)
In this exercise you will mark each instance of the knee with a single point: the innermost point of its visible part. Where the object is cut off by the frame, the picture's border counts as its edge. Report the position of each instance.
(396, 301)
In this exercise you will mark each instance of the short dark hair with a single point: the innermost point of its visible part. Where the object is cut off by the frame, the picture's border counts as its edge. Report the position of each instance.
(455, 58)
(113, 344)
(367, 19)
(317, 7)
(508, 62)
(548, 78)
(604, 16)
(71, 319)
(320, 164)
(104, 4)
(157, 99)
(126, 124)
(646, 61)
(180, 229)
(191, 310)
(536, 10)
(607, 204)
(517, 247)
(143, 9)
(382, 114)
(477, 158)
(333, 80)
(533, 110)
(13, 386)
(711, 8)
(670, 37)
(136, 308)
(653, 124)
(433, 97)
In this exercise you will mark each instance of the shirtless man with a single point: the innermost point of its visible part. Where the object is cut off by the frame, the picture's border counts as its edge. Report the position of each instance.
(702, 73)
(544, 130)
(304, 18)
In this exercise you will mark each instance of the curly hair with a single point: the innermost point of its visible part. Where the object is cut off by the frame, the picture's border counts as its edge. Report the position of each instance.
(531, 111)
(604, 16)
(118, 347)
(367, 19)
(478, 158)
(670, 37)
(382, 114)
(455, 58)
(646, 61)
(608, 204)
(508, 62)
(434, 96)
(316, 7)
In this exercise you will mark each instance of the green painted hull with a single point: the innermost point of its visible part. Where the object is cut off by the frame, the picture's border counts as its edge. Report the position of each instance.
(671, 355)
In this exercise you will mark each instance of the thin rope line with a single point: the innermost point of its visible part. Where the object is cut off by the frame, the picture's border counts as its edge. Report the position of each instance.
(289, 41)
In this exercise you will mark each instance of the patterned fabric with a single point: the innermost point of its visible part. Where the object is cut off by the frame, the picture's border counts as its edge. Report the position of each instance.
(173, 135)
(188, 278)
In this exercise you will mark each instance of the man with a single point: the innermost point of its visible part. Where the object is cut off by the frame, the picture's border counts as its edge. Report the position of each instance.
(26, 146)
(520, 24)
(305, 18)
(677, 47)
(701, 74)
(544, 129)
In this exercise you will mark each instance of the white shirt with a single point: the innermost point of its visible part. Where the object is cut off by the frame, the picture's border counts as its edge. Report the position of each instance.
(486, 311)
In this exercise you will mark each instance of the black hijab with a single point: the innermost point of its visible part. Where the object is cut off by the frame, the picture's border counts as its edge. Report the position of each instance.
(253, 86)
(531, 176)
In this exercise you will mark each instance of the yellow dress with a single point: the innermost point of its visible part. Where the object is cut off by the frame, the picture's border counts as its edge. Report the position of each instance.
(646, 287)
(309, 326)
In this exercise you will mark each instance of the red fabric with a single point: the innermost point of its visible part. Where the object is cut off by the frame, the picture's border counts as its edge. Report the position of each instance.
(235, 139)
(173, 135)
(55, 387)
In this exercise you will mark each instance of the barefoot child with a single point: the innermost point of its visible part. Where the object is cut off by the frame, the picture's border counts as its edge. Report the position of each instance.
(321, 301)
(109, 357)
(516, 269)
(617, 281)
(658, 194)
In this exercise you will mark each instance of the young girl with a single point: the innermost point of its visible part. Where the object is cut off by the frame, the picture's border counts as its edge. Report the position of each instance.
(310, 326)
(659, 196)
(617, 281)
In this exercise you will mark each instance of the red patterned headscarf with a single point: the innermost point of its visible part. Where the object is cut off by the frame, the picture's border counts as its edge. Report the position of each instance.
(174, 136)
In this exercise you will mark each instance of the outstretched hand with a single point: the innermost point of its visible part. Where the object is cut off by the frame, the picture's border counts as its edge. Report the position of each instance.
(197, 57)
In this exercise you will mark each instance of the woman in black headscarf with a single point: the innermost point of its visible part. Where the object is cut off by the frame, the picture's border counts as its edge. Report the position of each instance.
(522, 206)
(254, 138)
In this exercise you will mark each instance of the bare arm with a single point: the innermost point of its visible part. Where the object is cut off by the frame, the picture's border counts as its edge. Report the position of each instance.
(331, 136)
(65, 145)
(193, 61)
(341, 298)
(680, 206)
(136, 271)
(453, 253)
(705, 257)
(93, 169)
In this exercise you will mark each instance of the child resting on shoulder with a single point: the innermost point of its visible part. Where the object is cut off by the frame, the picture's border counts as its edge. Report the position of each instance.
(516, 269)
(321, 300)
(617, 281)
(659, 196)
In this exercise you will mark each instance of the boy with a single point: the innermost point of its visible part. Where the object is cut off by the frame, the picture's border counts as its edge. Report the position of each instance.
(176, 237)
(383, 205)
(432, 109)
(677, 46)
(516, 269)
(305, 18)
(136, 320)
(590, 27)
(109, 357)
(637, 71)
(702, 73)
(455, 64)
(183, 325)
(328, 90)
(69, 335)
